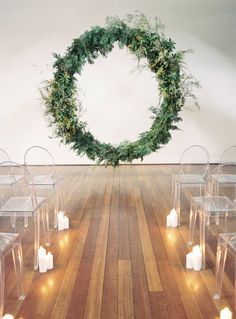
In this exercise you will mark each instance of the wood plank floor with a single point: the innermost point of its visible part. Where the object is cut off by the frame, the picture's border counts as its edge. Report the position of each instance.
(118, 260)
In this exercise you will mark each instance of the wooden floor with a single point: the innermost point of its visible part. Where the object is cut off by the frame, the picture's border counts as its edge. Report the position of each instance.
(118, 259)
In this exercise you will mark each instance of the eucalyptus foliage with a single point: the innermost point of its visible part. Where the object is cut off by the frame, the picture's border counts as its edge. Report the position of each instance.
(144, 39)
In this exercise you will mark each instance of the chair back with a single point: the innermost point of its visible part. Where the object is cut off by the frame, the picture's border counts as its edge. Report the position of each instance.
(194, 160)
(4, 155)
(40, 162)
(228, 155)
(223, 180)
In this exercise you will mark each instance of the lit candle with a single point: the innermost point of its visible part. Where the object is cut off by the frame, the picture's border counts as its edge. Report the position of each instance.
(42, 251)
(197, 258)
(49, 260)
(174, 218)
(66, 222)
(168, 221)
(42, 260)
(8, 316)
(189, 260)
(60, 220)
(225, 313)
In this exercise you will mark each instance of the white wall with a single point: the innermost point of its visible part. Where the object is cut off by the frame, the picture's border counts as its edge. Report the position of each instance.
(116, 102)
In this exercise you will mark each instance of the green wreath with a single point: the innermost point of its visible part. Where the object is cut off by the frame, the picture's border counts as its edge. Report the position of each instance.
(144, 40)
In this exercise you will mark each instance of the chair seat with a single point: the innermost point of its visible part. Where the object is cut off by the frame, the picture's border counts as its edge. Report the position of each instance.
(21, 205)
(215, 204)
(189, 179)
(10, 179)
(6, 242)
(225, 178)
(45, 180)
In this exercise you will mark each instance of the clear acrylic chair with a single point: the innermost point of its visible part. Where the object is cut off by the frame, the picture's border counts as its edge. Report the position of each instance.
(20, 200)
(226, 242)
(207, 207)
(193, 172)
(11, 243)
(41, 165)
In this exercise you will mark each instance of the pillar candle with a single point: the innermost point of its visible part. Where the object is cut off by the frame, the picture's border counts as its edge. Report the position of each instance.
(189, 260)
(49, 260)
(197, 258)
(169, 221)
(174, 217)
(8, 316)
(66, 222)
(42, 251)
(225, 313)
(60, 220)
(42, 259)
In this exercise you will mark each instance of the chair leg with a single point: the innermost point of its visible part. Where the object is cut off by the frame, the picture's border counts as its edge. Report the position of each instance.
(56, 205)
(62, 197)
(18, 265)
(178, 201)
(220, 265)
(2, 284)
(26, 221)
(45, 221)
(13, 221)
(36, 238)
(235, 284)
(202, 221)
(192, 222)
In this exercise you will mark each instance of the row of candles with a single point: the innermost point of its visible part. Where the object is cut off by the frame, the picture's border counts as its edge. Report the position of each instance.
(45, 260)
(194, 257)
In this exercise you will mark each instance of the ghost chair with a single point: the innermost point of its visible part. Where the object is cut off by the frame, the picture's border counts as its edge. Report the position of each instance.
(21, 201)
(193, 173)
(41, 166)
(220, 208)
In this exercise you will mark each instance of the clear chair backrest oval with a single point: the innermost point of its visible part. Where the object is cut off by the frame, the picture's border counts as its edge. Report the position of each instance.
(226, 179)
(228, 155)
(4, 156)
(40, 163)
(194, 160)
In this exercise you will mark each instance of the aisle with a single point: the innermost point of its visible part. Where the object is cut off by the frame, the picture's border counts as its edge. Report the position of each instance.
(118, 259)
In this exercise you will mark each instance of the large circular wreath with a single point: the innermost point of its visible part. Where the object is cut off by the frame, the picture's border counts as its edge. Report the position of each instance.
(144, 41)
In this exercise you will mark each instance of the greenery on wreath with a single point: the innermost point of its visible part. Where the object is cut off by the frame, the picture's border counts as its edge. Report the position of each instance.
(144, 39)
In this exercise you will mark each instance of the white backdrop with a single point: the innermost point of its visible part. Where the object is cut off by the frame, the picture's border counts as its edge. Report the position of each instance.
(115, 100)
